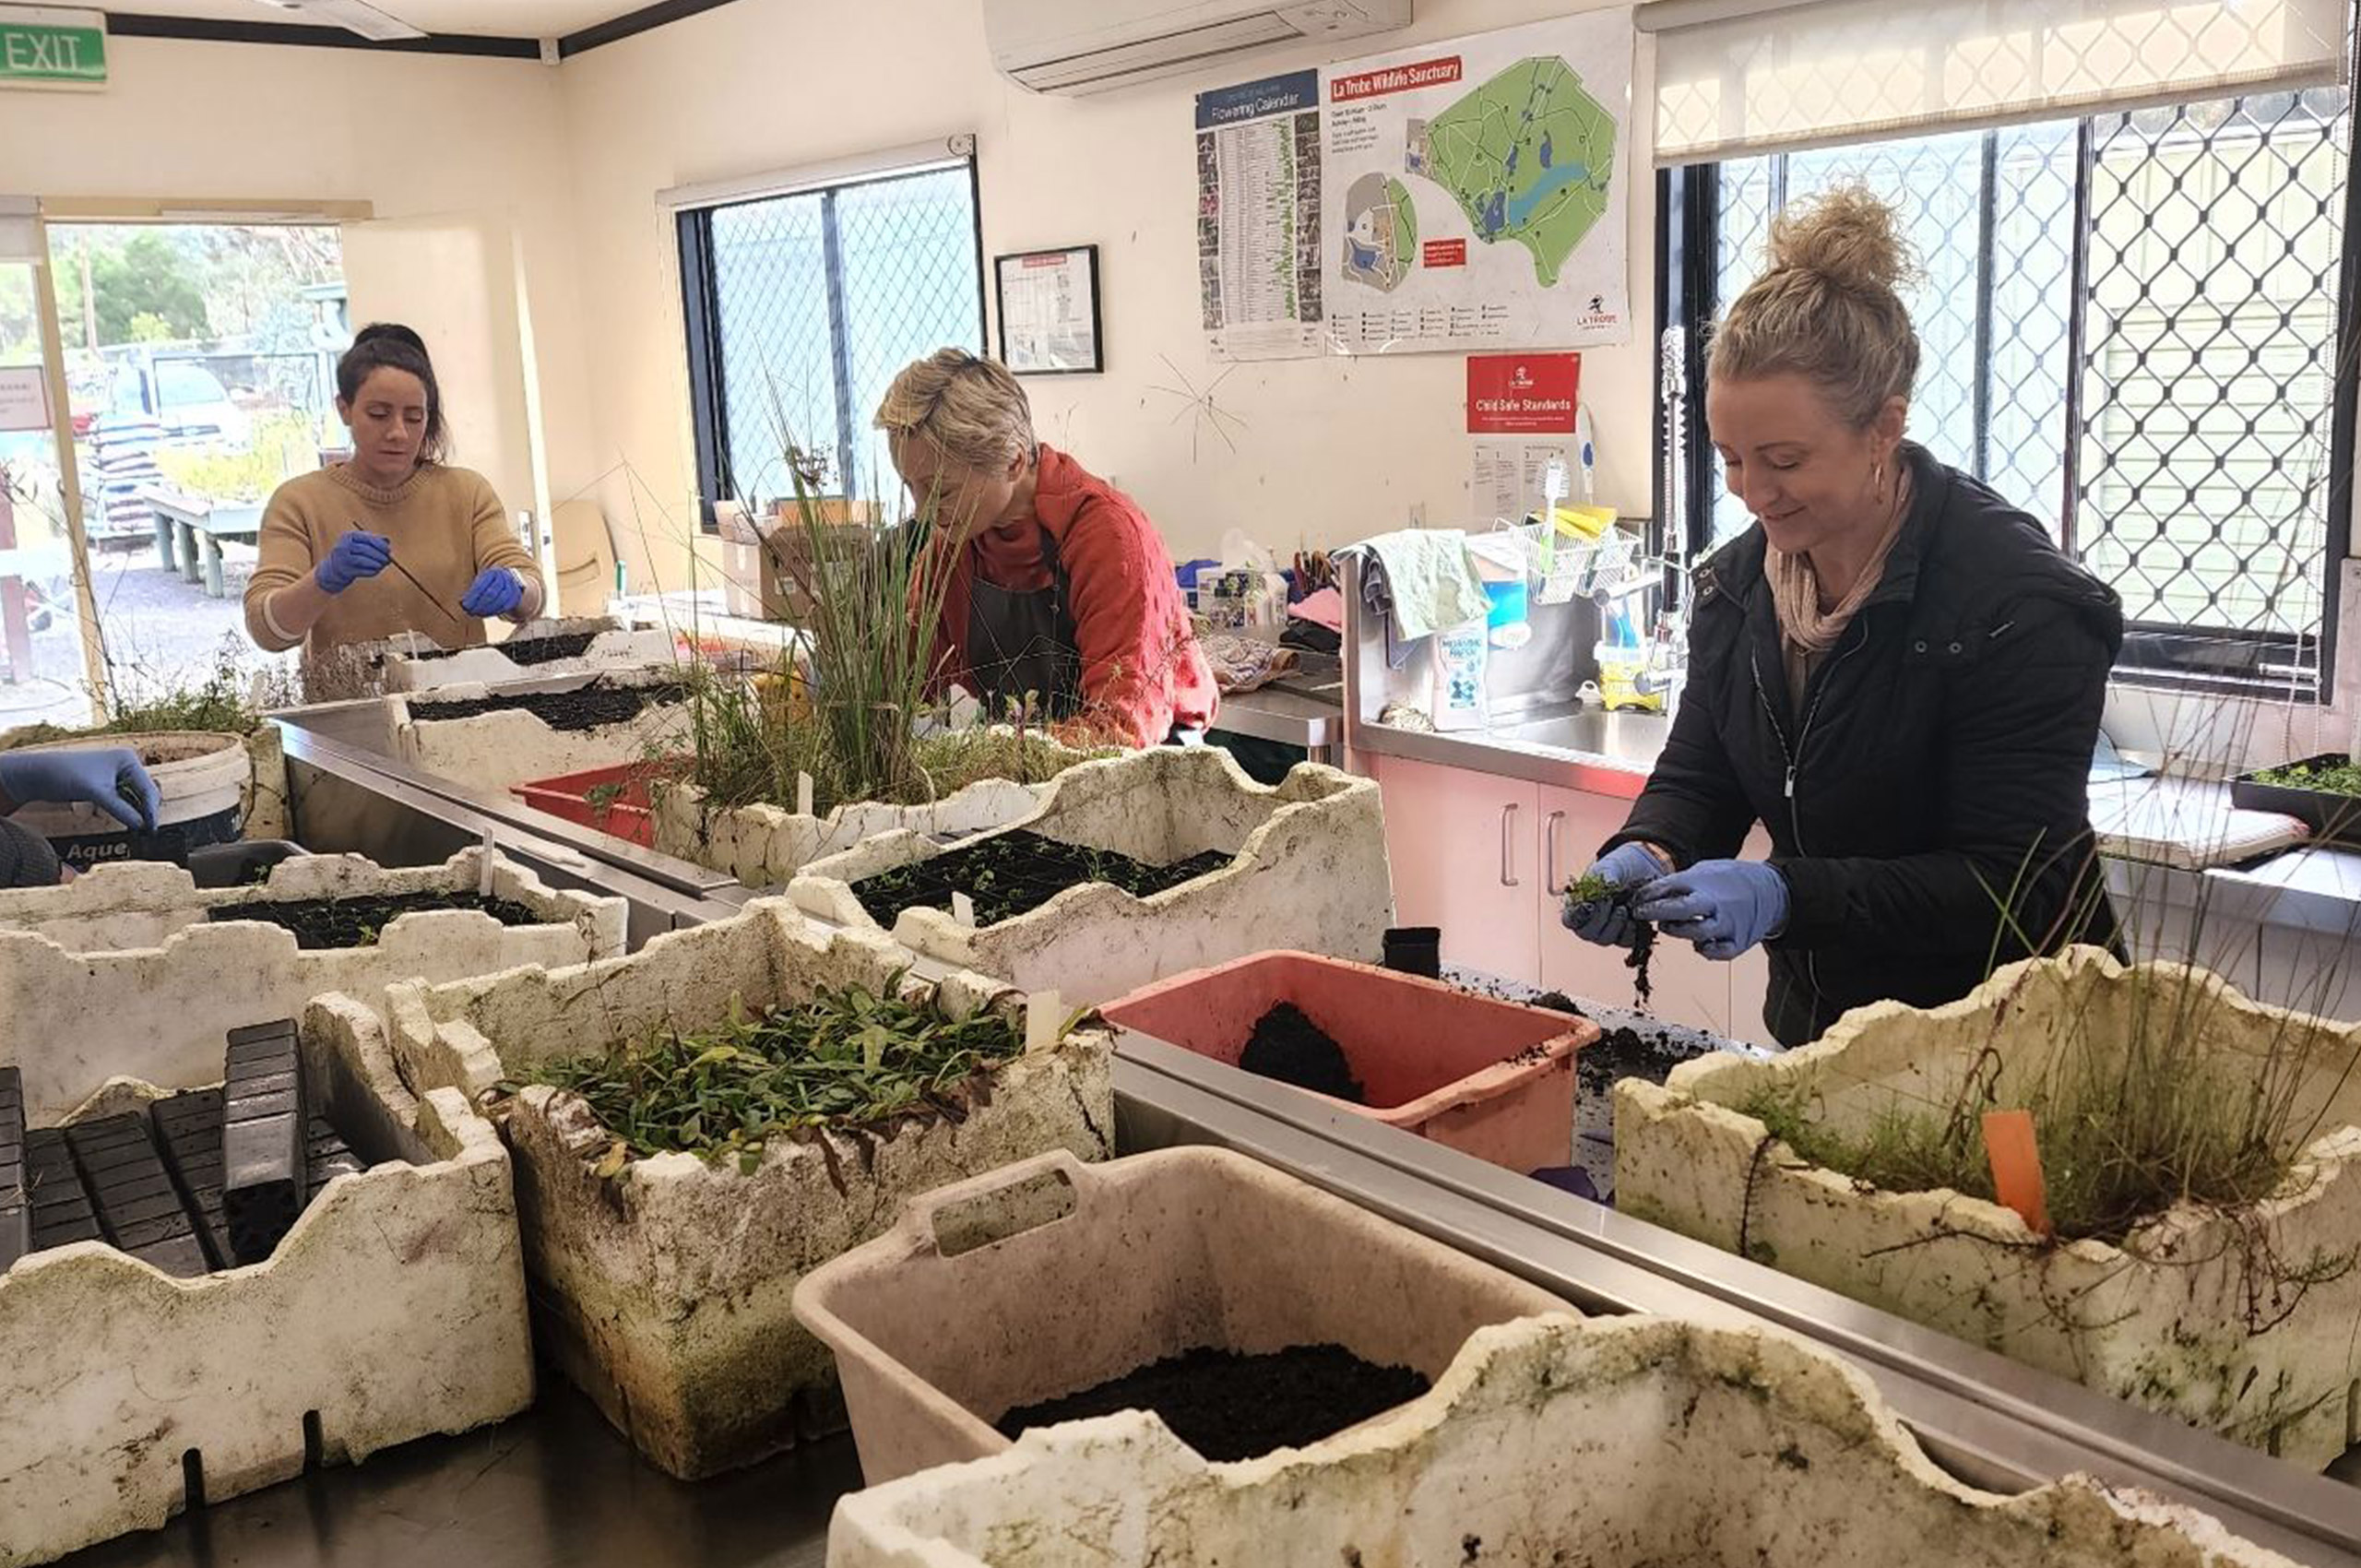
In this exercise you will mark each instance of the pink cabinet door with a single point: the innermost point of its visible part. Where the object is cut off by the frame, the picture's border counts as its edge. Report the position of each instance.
(1462, 847)
(1725, 999)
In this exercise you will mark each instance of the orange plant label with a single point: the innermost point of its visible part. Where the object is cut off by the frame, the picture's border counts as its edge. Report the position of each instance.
(2010, 1143)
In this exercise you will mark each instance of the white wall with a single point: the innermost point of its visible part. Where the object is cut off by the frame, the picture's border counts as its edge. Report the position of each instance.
(1332, 448)
(414, 135)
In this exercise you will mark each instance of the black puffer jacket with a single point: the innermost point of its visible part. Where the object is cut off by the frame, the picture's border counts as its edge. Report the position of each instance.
(1940, 770)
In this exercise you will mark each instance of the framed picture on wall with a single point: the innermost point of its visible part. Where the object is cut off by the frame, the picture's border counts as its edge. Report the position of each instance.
(1049, 310)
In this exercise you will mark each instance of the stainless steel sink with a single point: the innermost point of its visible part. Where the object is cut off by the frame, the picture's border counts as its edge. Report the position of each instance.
(1628, 737)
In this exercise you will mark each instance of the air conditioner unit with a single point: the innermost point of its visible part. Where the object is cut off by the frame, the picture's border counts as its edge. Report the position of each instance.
(1077, 46)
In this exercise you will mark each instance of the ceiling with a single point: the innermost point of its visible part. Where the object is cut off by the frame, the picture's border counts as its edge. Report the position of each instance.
(497, 18)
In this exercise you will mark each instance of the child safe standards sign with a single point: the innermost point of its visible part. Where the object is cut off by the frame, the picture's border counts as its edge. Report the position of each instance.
(1470, 195)
(48, 48)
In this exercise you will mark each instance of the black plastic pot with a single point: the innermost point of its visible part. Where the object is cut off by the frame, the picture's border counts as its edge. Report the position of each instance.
(238, 864)
(1415, 950)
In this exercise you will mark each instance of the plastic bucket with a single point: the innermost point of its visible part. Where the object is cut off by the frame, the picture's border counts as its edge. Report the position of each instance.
(1488, 1078)
(1050, 1275)
(202, 774)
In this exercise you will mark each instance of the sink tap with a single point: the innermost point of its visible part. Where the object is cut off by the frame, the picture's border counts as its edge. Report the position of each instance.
(1665, 670)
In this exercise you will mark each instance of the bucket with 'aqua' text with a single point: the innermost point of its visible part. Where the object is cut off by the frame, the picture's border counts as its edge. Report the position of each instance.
(202, 777)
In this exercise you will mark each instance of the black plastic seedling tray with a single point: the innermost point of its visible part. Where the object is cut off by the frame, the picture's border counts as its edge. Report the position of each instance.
(264, 1135)
(138, 1207)
(2333, 818)
(527, 650)
(321, 924)
(62, 1211)
(326, 1158)
(188, 1126)
(15, 1206)
(584, 707)
(1007, 875)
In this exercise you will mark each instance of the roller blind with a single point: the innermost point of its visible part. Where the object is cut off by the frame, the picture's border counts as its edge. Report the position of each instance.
(1733, 77)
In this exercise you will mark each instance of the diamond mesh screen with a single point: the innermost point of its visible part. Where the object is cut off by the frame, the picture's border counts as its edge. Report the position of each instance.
(2205, 366)
(820, 299)
(2208, 365)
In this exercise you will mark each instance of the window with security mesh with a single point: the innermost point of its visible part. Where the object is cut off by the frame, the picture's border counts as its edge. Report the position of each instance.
(801, 310)
(2129, 326)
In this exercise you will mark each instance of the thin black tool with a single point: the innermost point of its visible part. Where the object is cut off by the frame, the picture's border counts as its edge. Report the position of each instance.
(395, 564)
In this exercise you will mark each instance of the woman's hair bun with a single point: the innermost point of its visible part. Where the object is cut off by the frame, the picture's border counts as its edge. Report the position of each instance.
(1846, 236)
(389, 331)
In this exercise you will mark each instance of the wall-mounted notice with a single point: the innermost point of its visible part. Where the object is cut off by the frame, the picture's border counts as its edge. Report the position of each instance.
(1048, 312)
(24, 398)
(1476, 190)
(1510, 479)
(1523, 393)
(1258, 218)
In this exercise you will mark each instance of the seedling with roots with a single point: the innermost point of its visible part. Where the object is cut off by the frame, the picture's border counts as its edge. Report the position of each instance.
(1592, 888)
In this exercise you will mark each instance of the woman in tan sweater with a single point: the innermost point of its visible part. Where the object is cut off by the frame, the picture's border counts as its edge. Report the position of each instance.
(329, 538)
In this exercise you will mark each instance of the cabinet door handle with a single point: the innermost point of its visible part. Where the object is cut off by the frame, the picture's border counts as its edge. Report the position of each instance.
(1550, 851)
(1508, 844)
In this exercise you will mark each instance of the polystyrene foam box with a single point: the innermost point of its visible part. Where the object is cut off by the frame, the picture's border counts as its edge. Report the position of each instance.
(393, 1310)
(668, 1288)
(1625, 1442)
(2242, 1321)
(1308, 872)
(123, 971)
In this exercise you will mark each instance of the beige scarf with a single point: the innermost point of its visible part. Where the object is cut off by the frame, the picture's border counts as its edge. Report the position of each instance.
(1807, 632)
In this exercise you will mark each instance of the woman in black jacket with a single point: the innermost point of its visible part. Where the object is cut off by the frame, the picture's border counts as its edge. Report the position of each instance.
(1894, 671)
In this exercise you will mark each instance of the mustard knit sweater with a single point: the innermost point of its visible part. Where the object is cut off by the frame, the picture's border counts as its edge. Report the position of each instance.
(445, 523)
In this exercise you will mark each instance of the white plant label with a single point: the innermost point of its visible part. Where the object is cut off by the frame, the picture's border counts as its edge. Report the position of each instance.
(963, 909)
(803, 794)
(1044, 1017)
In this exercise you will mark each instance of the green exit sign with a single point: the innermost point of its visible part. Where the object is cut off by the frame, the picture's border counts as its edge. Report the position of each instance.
(41, 47)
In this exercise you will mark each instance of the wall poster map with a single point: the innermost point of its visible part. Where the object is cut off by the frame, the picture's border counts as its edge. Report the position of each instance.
(1471, 195)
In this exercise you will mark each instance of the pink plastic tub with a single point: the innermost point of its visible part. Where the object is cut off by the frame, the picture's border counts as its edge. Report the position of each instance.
(1488, 1078)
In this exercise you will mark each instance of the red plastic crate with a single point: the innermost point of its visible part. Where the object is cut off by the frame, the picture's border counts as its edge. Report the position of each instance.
(629, 816)
(1489, 1078)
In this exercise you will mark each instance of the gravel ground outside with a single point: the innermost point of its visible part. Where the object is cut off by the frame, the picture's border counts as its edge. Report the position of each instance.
(161, 634)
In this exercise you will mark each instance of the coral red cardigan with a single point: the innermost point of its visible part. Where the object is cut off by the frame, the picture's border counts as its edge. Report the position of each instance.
(1143, 672)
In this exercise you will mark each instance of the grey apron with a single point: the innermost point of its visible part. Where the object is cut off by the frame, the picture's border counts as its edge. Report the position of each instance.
(1023, 649)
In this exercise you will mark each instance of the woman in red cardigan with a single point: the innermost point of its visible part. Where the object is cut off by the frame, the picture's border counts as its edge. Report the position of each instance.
(1060, 592)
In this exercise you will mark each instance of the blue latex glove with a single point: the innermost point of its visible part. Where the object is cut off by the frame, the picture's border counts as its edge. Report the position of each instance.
(356, 555)
(109, 778)
(496, 591)
(1724, 907)
(1605, 922)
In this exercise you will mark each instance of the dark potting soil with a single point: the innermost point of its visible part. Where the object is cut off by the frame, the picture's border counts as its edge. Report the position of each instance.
(1621, 1052)
(1009, 874)
(1228, 1406)
(357, 922)
(585, 708)
(1290, 1048)
(528, 650)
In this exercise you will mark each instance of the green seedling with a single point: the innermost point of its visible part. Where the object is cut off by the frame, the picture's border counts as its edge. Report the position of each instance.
(846, 1059)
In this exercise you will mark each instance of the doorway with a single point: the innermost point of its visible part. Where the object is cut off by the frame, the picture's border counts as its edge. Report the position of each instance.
(199, 360)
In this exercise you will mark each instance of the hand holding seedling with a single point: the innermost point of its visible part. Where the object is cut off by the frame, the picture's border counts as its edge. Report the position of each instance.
(1597, 905)
(109, 777)
(1723, 906)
